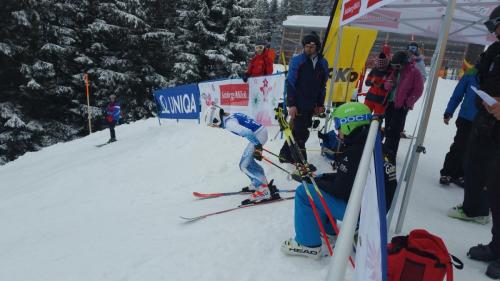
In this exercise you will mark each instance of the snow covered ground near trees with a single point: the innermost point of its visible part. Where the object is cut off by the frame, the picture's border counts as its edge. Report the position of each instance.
(76, 212)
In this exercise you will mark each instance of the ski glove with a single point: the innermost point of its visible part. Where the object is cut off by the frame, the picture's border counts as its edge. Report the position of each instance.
(245, 77)
(257, 153)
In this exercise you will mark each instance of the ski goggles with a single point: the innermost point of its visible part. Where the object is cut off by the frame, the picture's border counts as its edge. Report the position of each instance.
(413, 49)
(346, 120)
(492, 24)
(259, 47)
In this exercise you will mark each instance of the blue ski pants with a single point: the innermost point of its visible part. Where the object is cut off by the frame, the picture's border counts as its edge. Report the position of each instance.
(307, 231)
(249, 166)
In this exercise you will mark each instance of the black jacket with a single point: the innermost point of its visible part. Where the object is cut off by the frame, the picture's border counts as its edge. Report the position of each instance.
(489, 70)
(339, 184)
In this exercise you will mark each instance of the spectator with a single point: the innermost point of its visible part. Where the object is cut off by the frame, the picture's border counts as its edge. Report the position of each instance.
(306, 87)
(417, 58)
(453, 164)
(113, 115)
(262, 63)
(376, 96)
(405, 85)
(336, 187)
(483, 152)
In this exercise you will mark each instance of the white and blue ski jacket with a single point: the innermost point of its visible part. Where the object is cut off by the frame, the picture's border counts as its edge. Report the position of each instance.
(243, 126)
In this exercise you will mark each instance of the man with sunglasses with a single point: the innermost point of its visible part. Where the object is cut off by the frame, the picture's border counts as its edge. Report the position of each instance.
(483, 152)
(262, 63)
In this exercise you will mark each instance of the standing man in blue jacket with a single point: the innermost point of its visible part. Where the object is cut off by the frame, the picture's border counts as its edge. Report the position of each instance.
(453, 170)
(306, 88)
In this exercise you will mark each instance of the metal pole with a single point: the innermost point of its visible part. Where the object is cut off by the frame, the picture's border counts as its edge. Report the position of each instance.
(431, 91)
(87, 91)
(343, 246)
(334, 74)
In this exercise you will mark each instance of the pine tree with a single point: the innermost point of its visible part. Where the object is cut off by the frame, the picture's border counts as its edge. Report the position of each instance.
(229, 28)
(265, 22)
(191, 40)
(296, 7)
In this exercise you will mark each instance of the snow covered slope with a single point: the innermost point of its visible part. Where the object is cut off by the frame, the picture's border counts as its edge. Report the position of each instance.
(76, 212)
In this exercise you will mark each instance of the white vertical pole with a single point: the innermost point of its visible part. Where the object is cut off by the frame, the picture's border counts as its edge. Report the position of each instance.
(343, 246)
(431, 91)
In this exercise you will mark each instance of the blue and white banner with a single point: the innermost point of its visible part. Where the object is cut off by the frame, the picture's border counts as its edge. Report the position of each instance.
(371, 250)
(181, 102)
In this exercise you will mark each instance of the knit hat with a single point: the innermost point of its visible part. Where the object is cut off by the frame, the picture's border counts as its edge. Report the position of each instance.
(494, 20)
(311, 38)
(381, 62)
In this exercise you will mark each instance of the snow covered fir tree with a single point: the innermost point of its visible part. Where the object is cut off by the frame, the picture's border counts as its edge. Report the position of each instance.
(128, 48)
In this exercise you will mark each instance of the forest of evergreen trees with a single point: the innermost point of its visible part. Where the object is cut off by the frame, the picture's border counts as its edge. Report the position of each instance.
(127, 47)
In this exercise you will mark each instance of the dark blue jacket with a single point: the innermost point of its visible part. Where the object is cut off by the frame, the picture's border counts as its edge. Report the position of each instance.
(465, 95)
(306, 85)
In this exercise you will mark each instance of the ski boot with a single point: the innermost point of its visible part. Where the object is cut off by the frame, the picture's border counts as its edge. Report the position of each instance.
(292, 248)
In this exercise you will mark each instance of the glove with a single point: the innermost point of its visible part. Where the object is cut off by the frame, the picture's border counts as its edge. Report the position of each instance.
(257, 153)
(109, 118)
(245, 77)
(446, 118)
(318, 110)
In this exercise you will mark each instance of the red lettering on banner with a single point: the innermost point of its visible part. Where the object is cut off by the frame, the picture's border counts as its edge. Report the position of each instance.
(234, 94)
(373, 2)
(351, 9)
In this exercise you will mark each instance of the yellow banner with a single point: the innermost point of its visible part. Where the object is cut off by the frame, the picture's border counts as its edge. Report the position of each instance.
(354, 51)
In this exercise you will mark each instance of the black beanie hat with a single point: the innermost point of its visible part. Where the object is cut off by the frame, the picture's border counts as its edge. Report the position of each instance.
(311, 38)
(495, 13)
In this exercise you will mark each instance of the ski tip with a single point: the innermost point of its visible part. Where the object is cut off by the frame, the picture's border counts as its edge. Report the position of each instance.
(205, 195)
(186, 219)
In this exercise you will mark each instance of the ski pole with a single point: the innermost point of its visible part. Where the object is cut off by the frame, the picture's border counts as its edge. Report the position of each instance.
(298, 156)
(275, 165)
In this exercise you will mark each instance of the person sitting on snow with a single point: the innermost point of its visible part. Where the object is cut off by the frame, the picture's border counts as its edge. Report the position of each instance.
(336, 187)
(244, 126)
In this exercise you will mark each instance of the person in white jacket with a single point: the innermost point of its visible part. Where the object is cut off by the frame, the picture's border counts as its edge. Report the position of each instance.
(244, 126)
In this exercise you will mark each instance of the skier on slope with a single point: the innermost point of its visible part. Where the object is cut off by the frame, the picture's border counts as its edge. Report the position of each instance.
(244, 126)
(353, 122)
(112, 116)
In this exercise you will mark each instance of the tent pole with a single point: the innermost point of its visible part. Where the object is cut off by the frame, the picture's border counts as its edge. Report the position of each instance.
(418, 147)
(334, 74)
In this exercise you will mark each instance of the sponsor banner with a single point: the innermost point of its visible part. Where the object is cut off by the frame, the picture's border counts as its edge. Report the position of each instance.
(181, 102)
(257, 98)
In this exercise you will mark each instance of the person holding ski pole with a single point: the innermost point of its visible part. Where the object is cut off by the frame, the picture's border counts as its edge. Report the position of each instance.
(353, 122)
(244, 126)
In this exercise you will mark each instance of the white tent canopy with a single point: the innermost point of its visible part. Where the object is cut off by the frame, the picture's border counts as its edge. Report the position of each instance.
(422, 17)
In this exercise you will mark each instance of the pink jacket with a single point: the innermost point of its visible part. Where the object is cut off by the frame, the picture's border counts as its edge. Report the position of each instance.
(410, 88)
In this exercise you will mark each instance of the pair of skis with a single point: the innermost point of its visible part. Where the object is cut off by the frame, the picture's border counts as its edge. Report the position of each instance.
(202, 196)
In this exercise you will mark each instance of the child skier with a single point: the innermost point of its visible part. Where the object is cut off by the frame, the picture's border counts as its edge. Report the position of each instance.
(112, 116)
(353, 122)
(376, 96)
(244, 126)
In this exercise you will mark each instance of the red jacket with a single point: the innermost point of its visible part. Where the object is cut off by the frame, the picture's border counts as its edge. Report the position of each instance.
(260, 65)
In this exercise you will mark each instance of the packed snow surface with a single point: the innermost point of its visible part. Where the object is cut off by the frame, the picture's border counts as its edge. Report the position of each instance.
(73, 211)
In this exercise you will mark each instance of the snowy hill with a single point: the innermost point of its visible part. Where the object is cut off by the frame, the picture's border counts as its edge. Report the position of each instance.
(76, 212)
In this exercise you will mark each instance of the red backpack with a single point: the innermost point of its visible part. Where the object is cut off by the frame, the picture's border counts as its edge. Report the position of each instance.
(420, 256)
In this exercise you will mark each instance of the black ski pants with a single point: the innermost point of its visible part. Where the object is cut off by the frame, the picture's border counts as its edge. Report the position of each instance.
(454, 161)
(395, 119)
(300, 131)
(112, 129)
(482, 170)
